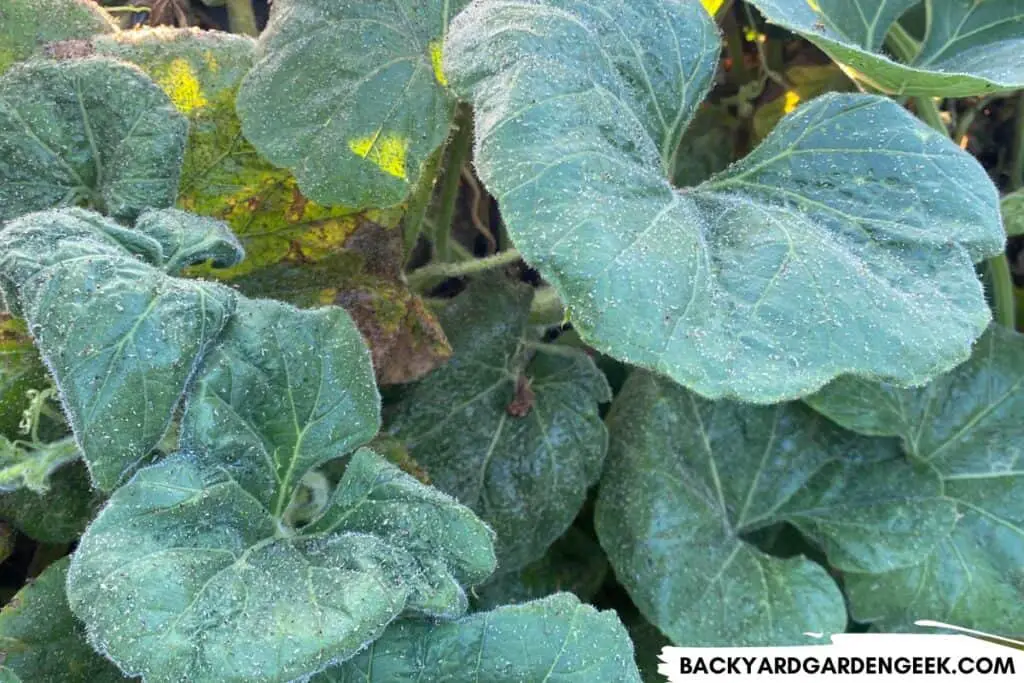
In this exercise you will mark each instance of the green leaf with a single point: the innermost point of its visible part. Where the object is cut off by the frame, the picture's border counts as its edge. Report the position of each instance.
(186, 239)
(574, 563)
(30, 468)
(508, 426)
(970, 47)
(1012, 208)
(28, 25)
(41, 640)
(90, 131)
(557, 639)
(374, 105)
(120, 337)
(842, 245)
(59, 515)
(686, 480)
(808, 81)
(963, 433)
(195, 570)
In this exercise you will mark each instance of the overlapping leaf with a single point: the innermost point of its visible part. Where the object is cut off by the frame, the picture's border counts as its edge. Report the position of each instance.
(297, 250)
(687, 479)
(26, 26)
(510, 428)
(374, 99)
(59, 515)
(120, 337)
(556, 639)
(970, 47)
(964, 432)
(574, 563)
(1012, 207)
(91, 131)
(195, 570)
(42, 641)
(842, 245)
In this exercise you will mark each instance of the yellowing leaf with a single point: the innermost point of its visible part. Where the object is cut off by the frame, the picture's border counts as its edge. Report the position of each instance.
(435, 59)
(387, 151)
(182, 86)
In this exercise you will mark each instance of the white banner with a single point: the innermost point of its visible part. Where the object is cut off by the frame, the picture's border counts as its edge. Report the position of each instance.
(853, 658)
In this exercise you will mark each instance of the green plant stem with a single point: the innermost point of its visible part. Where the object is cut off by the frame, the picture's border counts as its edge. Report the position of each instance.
(1003, 298)
(902, 44)
(241, 18)
(418, 278)
(458, 152)
(419, 203)
(1017, 157)
(929, 113)
(45, 555)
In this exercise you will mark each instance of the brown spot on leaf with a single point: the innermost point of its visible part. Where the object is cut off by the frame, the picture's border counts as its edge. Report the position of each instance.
(522, 402)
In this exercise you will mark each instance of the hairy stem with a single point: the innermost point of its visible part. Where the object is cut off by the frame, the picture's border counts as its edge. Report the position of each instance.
(929, 113)
(1003, 298)
(241, 18)
(419, 203)
(424, 275)
(458, 151)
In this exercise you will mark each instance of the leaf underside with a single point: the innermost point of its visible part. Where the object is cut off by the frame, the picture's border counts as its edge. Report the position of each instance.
(842, 245)
(969, 48)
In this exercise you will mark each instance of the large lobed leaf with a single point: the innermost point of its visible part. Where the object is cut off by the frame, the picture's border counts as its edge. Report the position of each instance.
(197, 570)
(690, 481)
(91, 131)
(842, 245)
(970, 47)
(556, 639)
(374, 105)
(120, 336)
(508, 426)
(963, 431)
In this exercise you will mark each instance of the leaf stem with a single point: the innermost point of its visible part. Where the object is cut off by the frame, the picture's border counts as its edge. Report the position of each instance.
(902, 44)
(241, 18)
(1003, 299)
(446, 270)
(419, 203)
(929, 113)
(458, 151)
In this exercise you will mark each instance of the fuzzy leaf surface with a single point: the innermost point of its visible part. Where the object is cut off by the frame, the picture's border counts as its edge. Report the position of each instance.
(556, 639)
(26, 26)
(687, 479)
(374, 99)
(964, 430)
(120, 337)
(762, 283)
(91, 131)
(41, 639)
(969, 48)
(199, 551)
(524, 470)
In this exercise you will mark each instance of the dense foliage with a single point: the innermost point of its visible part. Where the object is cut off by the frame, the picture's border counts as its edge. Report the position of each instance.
(503, 340)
